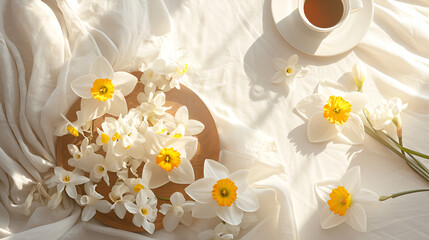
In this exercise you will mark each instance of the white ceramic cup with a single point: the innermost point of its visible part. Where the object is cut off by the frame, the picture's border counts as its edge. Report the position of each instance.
(349, 6)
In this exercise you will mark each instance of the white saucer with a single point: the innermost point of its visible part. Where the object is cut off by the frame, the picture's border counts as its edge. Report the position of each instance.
(291, 27)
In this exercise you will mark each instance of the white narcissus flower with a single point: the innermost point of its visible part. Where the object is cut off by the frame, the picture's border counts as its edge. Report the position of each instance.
(82, 158)
(169, 160)
(144, 211)
(119, 195)
(103, 90)
(152, 105)
(93, 202)
(74, 128)
(178, 211)
(222, 194)
(66, 179)
(386, 112)
(287, 70)
(183, 126)
(222, 231)
(345, 201)
(334, 112)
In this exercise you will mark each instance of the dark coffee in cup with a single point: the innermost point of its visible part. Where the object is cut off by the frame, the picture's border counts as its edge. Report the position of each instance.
(323, 13)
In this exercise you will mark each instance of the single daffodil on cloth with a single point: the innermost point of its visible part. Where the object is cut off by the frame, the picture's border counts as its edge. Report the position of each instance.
(287, 70)
(103, 90)
(222, 194)
(345, 201)
(334, 112)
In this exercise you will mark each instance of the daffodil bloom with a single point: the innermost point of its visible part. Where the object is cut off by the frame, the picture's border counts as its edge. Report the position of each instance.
(152, 105)
(164, 73)
(66, 179)
(385, 113)
(76, 128)
(345, 201)
(222, 231)
(144, 211)
(222, 194)
(178, 211)
(359, 75)
(183, 126)
(93, 202)
(84, 155)
(333, 112)
(103, 90)
(169, 160)
(287, 70)
(119, 195)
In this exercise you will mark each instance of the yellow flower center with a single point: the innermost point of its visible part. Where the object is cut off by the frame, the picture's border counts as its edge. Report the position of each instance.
(162, 131)
(177, 135)
(340, 201)
(100, 169)
(288, 70)
(66, 179)
(337, 110)
(184, 70)
(138, 187)
(116, 136)
(168, 158)
(104, 138)
(102, 89)
(73, 131)
(144, 211)
(224, 192)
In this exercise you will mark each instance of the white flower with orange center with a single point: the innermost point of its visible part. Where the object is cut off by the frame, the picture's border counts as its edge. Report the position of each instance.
(287, 70)
(334, 112)
(67, 180)
(222, 194)
(345, 201)
(103, 90)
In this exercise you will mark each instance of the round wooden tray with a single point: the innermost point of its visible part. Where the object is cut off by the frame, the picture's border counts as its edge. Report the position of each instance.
(208, 147)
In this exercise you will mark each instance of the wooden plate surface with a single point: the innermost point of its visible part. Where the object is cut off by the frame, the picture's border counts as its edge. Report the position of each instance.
(208, 147)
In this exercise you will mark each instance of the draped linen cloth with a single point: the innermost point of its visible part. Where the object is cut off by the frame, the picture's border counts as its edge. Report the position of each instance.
(44, 45)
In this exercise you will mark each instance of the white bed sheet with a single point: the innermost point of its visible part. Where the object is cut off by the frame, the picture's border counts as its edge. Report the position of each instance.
(233, 43)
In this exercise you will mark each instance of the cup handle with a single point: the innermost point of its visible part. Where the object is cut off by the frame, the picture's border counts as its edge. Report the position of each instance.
(355, 5)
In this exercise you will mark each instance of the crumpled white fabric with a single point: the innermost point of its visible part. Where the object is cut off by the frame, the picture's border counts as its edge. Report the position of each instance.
(46, 44)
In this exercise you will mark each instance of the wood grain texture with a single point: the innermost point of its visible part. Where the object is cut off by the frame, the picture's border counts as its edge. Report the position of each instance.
(208, 148)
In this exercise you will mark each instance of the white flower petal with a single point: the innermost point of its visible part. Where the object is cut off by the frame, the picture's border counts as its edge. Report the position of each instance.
(101, 68)
(194, 127)
(329, 220)
(356, 217)
(154, 175)
(138, 220)
(132, 208)
(231, 215)
(124, 82)
(149, 227)
(82, 86)
(182, 114)
(186, 219)
(120, 210)
(279, 64)
(323, 189)
(92, 108)
(278, 77)
(88, 213)
(201, 210)
(170, 222)
(247, 201)
(103, 206)
(319, 129)
(240, 179)
(327, 89)
(201, 190)
(118, 105)
(215, 170)
(353, 131)
(293, 60)
(141, 198)
(71, 191)
(310, 104)
(177, 198)
(358, 101)
(352, 180)
(368, 199)
(184, 174)
(166, 207)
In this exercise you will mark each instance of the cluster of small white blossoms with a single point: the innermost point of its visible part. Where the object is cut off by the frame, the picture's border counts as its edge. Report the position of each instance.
(147, 135)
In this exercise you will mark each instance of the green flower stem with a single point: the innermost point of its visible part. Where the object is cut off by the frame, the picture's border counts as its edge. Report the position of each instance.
(412, 151)
(384, 198)
(162, 198)
(402, 144)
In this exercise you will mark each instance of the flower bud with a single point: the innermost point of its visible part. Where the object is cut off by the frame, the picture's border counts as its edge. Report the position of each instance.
(359, 74)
